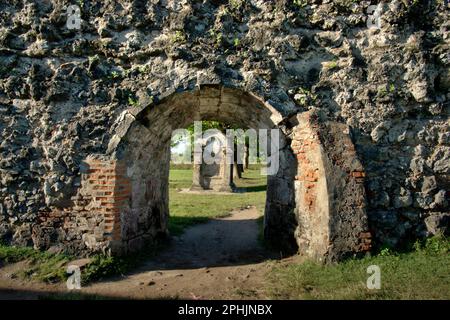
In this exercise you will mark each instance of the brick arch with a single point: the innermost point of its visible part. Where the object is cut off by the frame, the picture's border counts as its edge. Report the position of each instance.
(316, 200)
(143, 144)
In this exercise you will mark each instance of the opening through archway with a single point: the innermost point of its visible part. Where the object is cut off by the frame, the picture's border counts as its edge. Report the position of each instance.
(146, 151)
(315, 199)
(216, 204)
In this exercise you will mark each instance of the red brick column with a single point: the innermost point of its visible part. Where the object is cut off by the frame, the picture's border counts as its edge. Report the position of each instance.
(330, 195)
(306, 146)
(312, 234)
(110, 188)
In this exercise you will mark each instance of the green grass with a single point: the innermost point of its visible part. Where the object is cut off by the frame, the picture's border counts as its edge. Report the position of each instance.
(103, 266)
(42, 266)
(51, 268)
(423, 273)
(188, 209)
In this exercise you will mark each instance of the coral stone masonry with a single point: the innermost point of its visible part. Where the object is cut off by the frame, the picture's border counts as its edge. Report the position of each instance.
(86, 117)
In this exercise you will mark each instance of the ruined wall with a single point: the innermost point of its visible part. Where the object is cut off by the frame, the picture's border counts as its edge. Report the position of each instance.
(63, 94)
(330, 197)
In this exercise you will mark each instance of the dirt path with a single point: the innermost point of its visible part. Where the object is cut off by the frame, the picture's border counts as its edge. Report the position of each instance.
(220, 259)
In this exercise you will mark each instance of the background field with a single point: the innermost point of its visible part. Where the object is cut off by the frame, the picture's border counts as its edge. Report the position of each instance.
(187, 208)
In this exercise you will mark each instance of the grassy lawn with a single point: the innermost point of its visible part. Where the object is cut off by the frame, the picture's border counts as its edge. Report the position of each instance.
(187, 209)
(51, 268)
(423, 273)
(42, 266)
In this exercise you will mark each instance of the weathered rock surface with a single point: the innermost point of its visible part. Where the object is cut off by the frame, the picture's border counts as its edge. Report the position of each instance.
(66, 94)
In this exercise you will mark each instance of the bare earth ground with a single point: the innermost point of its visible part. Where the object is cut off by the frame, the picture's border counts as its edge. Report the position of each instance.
(220, 259)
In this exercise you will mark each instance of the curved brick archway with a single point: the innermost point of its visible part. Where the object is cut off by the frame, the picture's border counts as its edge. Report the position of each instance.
(315, 201)
(143, 144)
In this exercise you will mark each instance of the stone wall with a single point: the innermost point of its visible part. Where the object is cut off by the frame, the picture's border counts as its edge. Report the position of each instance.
(68, 94)
(93, 222)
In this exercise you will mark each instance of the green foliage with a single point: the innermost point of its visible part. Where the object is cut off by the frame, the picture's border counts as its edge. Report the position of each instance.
(42, 266)
(104, 266)
(11, 254)
(47, 268)
(178, 37)
(435, 245)
(332, 65)
(217, 37)
(206, 125)
(132, 101)
(385, 90)
(386, 252)
(305, 98)
(144, 69)
(391, 88)
(115, 74)
(300, 3)
(235, 4)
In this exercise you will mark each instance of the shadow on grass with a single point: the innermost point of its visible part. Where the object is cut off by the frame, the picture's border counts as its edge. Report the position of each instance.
(177, 225)
(251, 189)
(26, 294)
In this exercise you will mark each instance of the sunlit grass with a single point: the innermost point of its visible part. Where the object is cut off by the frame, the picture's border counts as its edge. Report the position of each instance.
(420, 274)
(42, 266)
(187, 209)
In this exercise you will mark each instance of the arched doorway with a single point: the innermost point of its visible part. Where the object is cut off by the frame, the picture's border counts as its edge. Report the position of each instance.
(145, 149)
(315, 200)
